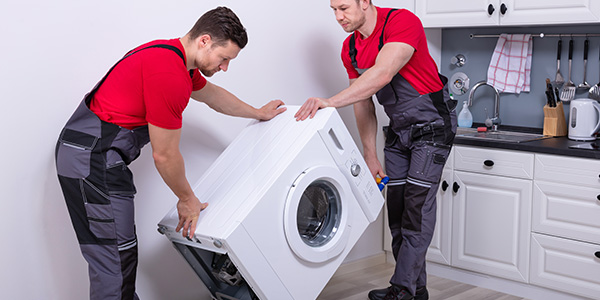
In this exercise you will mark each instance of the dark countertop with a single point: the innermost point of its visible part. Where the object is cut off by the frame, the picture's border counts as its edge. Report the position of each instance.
(553, 145)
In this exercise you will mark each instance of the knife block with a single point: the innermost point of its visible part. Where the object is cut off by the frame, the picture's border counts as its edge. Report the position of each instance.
(554, 120)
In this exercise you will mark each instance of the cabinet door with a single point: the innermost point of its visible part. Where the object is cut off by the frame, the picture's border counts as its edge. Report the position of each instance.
(456, 13)
(565, 265)
(569, 211)
(439, 249)
(536, 12)
(491, 225)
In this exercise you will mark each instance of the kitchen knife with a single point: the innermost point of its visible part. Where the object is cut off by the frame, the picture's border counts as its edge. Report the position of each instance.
(550, 94)
(557, 95)
(550, 99)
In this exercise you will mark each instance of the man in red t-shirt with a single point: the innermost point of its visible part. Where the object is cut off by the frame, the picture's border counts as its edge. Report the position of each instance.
(141, 99)
(386, 55)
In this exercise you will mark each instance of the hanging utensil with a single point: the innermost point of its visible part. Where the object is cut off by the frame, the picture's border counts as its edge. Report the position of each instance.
(584, 84)
(559, 80)
(595, 91)
(568, 90)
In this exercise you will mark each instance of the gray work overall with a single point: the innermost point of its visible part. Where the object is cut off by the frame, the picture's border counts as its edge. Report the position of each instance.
(418, 141)
(92, 158)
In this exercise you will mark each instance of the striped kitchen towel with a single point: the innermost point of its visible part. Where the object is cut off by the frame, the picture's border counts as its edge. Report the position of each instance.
(510, 67)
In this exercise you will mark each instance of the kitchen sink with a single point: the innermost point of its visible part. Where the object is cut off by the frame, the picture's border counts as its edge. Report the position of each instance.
(499, 135)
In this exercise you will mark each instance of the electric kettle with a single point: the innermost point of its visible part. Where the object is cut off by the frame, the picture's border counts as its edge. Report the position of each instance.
(584, 119)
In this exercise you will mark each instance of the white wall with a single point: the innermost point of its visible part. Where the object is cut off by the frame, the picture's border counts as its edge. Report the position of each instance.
(53, 52)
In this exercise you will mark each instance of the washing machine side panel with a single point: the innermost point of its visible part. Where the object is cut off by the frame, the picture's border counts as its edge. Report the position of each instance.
(265, 225)
(255, 267)
(346, 154)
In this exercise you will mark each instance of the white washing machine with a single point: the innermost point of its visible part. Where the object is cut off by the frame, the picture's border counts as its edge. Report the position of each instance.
(287, 202)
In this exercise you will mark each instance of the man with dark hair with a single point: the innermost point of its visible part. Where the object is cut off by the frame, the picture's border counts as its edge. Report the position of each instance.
(141, 99)
(387, 55)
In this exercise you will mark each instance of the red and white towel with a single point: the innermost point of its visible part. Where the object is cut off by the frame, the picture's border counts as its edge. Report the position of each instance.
(510, 67)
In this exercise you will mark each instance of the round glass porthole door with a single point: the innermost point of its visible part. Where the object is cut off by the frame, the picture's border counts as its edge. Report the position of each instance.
(316, 222)
(318, 217)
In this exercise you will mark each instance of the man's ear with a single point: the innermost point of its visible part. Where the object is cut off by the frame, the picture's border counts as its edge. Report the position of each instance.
(204, 41)
(364, 4)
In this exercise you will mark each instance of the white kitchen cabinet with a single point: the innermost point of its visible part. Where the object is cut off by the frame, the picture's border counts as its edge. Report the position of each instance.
(566, 225)
(494, 162)
(439, 249)
(567, 170)
(484, 212)
(491, 225)
(521, 217)
(565, 210)
(565, 265)
(491, 220)
(463, 13)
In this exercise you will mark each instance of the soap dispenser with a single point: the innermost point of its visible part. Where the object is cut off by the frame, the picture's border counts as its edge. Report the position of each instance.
(465, 118)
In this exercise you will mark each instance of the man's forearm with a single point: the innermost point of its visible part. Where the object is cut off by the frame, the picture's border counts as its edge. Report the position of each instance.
(171, 168)
(364, 87)
(366, 121)
(225, 102)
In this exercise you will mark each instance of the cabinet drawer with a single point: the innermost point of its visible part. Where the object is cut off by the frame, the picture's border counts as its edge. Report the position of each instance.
(579, 171)
(565, 265)
(566, 210)
(494, 162)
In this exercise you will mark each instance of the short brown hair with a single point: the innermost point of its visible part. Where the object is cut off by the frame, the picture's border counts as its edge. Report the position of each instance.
(222, 25)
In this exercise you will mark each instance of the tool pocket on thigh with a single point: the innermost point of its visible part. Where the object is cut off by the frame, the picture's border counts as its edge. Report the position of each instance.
(99, 212)
(427, 161)
(101, 220)
(74, 152)
(119, 179)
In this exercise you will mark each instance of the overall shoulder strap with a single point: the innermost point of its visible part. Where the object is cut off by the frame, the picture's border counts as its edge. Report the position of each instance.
(164, 46)
(383, 30)
(352, 51)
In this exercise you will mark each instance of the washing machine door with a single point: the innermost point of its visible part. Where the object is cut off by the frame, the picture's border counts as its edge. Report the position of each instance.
(316, 220)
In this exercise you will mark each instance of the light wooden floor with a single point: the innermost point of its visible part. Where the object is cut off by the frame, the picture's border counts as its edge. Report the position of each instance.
(355, 285)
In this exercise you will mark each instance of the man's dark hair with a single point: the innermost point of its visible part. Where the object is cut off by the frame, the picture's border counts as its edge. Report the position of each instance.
(222, 25)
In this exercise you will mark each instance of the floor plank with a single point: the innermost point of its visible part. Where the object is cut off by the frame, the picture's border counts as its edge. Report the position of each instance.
(355, 285)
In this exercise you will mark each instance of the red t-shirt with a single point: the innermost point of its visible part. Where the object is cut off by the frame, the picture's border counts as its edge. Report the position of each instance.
(151, 86)
(402, 26)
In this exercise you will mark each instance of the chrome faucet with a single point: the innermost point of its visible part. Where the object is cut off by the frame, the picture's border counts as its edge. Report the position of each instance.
(495, 121)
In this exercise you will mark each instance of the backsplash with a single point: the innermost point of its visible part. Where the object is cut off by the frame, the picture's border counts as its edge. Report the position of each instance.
(525, 109)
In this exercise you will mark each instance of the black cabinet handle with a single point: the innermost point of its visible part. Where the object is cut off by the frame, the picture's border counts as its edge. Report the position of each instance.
(488, 163)
(490, 9)
(503, 8)
(445, 186)
(598, 197)
(597, 254)
(455, 187)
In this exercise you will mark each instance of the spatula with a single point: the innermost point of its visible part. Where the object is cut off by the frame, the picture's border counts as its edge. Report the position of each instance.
(568, 90)
(595, 91)
(559, 80)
